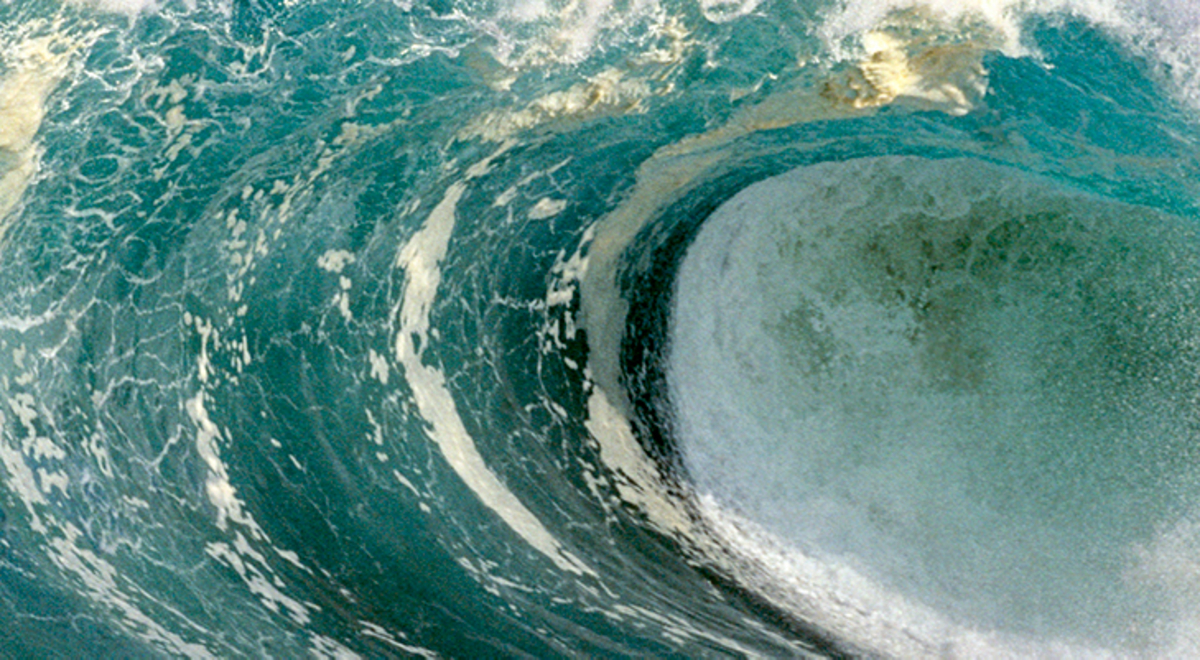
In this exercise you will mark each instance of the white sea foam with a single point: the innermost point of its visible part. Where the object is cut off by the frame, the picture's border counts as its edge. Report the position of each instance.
(35, 67)
(421, 259)
(1167, 32)
(723, 11)
(130, 7)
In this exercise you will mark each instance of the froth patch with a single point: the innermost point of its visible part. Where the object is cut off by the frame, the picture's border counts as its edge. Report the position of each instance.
(915, 72)
(609, 93)
(35, 68)
(723, 11)
(130, 7)
(996, 23)
(867, 618)
(1165, 31)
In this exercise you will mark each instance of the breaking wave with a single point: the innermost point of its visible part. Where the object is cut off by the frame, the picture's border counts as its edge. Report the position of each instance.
(474, 329)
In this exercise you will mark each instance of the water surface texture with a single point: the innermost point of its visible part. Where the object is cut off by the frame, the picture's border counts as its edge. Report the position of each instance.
(646, 328)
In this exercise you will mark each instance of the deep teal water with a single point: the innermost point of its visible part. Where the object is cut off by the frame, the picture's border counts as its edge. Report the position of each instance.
(306, 346)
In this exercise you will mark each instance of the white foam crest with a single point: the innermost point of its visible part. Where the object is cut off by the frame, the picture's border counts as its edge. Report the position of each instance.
(723, 11)
(129, 7)
(855, 18)
(1165, 31)
(533, 34)
(572, 29)
(1169, 31)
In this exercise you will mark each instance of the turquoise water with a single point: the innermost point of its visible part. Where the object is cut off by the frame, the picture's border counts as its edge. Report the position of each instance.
(603, 329)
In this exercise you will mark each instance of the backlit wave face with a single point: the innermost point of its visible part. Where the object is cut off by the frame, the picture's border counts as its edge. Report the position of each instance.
(709, 329)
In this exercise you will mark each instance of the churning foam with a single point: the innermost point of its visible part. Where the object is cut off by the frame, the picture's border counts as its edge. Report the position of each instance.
(951, 404)
(1165, 31)
(130, 7)
(35, 67)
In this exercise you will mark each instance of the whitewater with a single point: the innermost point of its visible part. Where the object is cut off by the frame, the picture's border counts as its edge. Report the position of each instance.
(586, 328)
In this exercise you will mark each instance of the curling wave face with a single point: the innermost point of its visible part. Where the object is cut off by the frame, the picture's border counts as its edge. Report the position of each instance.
(390, 329)
(973, 387)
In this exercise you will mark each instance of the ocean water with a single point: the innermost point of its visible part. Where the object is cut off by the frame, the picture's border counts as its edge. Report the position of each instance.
(599, 328)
